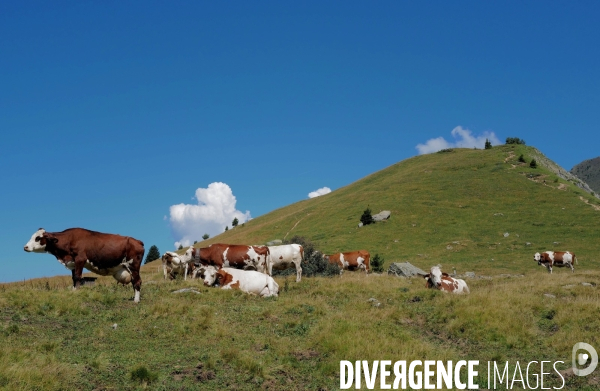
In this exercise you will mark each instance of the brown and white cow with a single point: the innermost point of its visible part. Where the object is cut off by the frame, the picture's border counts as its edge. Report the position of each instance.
(101, 253)
(248, 281)
(286, 256)
(443, 282)
(555, 258)
(238, 256)
(351, 260)
(174, 264)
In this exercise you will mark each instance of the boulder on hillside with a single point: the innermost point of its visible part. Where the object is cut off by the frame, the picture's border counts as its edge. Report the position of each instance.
(383, 215)
(405, 269)
(275, 242)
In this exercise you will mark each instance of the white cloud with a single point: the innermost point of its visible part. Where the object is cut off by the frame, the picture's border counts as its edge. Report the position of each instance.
(319, 192)
(463, 139)
(214, 211)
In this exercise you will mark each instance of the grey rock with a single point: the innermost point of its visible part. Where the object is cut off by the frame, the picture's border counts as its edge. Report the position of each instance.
(184, 290)
(405, 269)
(275, 242)
(556, 243)
(383, 215)
(586, 284)
(448, 247)
(470, 274)
(360, 225)
(374, 302)
(528, 244)
(506, 234)
(550, 295)
(114, 326)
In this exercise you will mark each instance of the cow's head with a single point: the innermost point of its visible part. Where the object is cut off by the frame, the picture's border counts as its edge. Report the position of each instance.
(38, 241)
(435, 275)
(325, 257)
(189, 252)
(210, 276)
(537, 257)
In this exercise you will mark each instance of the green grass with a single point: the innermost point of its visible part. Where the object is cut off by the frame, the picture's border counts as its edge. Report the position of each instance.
(53, 338)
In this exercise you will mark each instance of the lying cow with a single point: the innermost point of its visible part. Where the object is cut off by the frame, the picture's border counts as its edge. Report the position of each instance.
(103, 254)
(555, 258)
(231, 255)
(174, 264)
(443, 282)
(352, 260)
(285, 257)
(248, 281)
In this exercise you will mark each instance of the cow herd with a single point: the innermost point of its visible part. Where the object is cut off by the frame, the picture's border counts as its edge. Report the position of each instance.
(249, 268)
(230, 266)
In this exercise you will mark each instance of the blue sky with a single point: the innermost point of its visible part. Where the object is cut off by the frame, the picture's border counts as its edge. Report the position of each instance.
(113, 112)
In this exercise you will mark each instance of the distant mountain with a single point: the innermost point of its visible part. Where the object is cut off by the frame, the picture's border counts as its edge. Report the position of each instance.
(589, 172)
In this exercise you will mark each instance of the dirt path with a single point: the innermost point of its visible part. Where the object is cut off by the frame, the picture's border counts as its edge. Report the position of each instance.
(288, 232)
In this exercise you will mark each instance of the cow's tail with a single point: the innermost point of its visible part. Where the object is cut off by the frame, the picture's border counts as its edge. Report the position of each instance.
(575, 259)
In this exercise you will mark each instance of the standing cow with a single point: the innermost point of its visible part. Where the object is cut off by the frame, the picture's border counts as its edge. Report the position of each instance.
(555, 258)
(174, 264)
(285, 257)
(238, 256)
(352, 260)
(443, 282)
(103, 254)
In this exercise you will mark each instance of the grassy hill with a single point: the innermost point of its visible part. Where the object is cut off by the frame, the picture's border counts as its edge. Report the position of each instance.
(589, 171)
(452, 208)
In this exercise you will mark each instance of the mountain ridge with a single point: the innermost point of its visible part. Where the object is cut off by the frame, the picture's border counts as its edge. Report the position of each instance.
(589, 172)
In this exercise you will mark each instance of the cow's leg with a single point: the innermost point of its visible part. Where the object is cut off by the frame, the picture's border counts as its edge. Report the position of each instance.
(136, 282)
(185, 272)
(298, 272)
(75, 279)
(572, 268)
(165, 271)
(78, 271)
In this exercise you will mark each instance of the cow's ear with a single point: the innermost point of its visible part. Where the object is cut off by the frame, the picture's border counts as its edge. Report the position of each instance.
(426, 276)
(49, 238)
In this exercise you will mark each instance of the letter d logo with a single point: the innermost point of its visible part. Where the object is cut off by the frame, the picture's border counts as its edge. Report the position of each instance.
(582, 358)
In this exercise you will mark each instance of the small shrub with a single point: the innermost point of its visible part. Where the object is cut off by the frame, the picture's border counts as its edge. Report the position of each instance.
(533, 163)
(366, 217)
(235, 222)
(445, 150)
(522, 159)
(205, 236)
(514, 140)
(12, 329)
(313, 263)
(377, 264)
(143, 375)
(488, 144)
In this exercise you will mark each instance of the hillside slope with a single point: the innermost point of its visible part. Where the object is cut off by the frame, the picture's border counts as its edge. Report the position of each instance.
(589, 171)
(453, 208)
